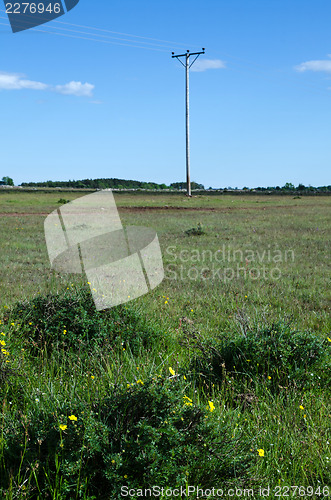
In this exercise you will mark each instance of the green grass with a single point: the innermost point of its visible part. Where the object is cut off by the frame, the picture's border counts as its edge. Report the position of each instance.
(110, 369)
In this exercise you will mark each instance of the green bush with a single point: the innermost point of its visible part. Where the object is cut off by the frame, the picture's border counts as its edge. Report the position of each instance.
(144, 435)
(277, 354)
(71, 321)
(195, 231)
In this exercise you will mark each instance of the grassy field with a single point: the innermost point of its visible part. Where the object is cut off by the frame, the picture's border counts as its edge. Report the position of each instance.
(220, 377)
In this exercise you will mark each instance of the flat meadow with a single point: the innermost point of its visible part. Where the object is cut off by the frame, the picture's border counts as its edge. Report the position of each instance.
(218, 378)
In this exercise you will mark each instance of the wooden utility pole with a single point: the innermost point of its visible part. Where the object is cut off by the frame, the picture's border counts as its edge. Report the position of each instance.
(187, 66)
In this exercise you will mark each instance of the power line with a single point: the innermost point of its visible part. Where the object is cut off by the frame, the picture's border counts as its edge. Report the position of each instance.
(168, 43)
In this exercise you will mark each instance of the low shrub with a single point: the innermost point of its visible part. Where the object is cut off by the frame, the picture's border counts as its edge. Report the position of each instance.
(71, 321)
(277, 354)
(195, 231)
(147, 434)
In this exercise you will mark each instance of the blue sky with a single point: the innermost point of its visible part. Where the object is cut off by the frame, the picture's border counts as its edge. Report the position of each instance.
(87, 105)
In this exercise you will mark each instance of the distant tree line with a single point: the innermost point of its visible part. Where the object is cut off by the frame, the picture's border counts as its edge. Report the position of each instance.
(130, 184)
(111, 183)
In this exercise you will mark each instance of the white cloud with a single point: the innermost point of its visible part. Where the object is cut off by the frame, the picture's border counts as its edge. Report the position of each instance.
(204, 64)
(323, 65)
(76, 88)
(14, 81)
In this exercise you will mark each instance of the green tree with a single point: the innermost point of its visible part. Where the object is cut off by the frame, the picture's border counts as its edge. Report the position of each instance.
(289, 185)
(8, 181)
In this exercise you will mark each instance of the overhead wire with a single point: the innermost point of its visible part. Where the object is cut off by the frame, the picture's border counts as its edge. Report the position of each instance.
(137, 42)
(135, 39)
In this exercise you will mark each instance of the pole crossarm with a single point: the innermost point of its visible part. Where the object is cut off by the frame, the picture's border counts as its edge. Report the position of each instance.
(187, 66)
(189, 53)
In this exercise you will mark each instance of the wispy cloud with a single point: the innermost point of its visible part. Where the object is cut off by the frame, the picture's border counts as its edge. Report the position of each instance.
(204, 64)
(15, 81)
(75, 88)
(322, 65)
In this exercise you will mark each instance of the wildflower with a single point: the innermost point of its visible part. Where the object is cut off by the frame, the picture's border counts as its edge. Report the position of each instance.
(185, 397)
(3, 334)
(184, 377)
(92, 377)
(269, 377)
(191, 310)
(128, 385)
(72, 417)
(64, 332)
(245, 296)
(166, 302)
(261, 452)
(171, 371)
(329, 339)
(12, 324)
(301, 407)
(125, 476)
(140, 382)
(5, 352)
(88, 283)
(113, 461)
(2, 342)
(63, 427)
(211, 406)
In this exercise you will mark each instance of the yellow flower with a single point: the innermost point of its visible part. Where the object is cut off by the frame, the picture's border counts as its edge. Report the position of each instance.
(128, 385)
(261, 452)
(113, 461)
(72, 417)
(125, 477)
(184, 377)
(140, 382)
(63, 427)
(185, 397)
(211, 406)
(301, 407)
(92, 376)
(269, 377)
(329, 339)
(3, 334)
(171, 371)
(188, 404)
(64, 332)
(2, 342)
(5, 352)
(166, 302)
